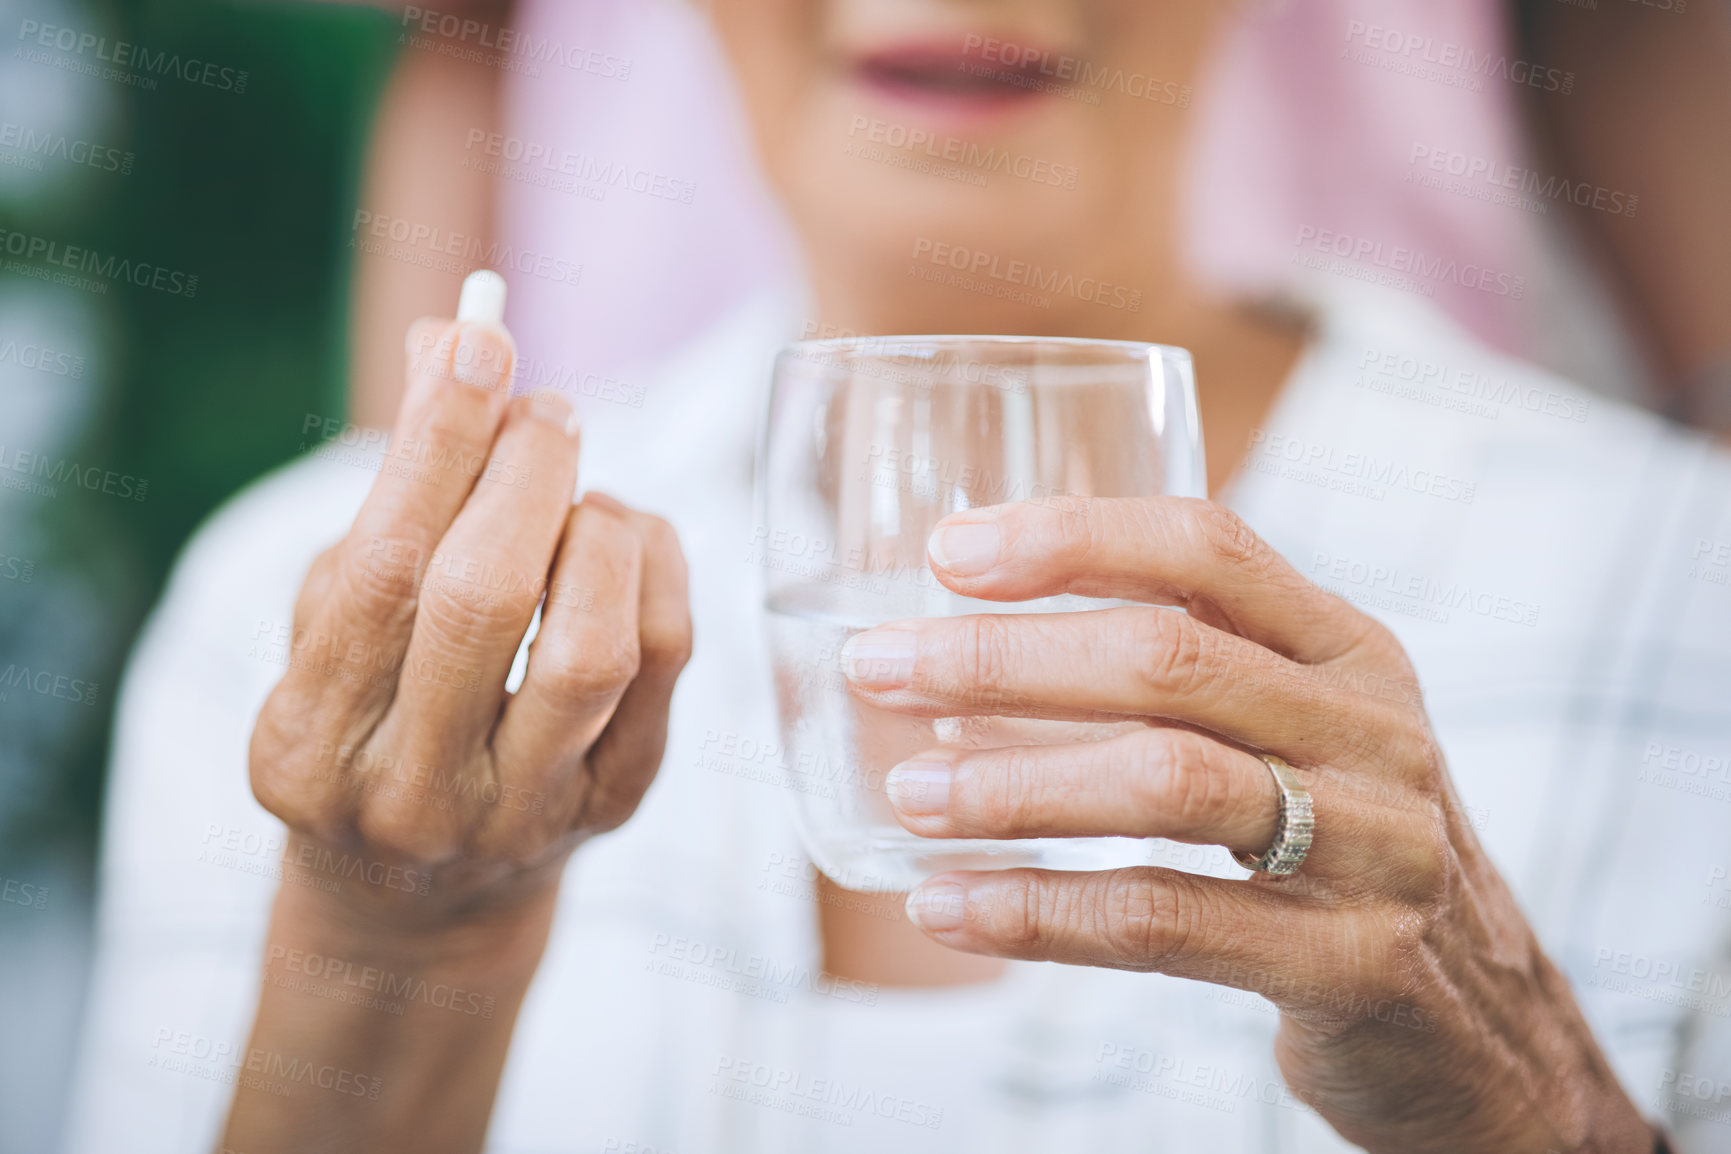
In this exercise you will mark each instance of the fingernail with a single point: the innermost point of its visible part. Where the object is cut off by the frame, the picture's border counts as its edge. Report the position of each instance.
(968, 549)
(483, 357)
(880, 658)
(938, 906)
(482, 297)
(919, 787)
(549, 406)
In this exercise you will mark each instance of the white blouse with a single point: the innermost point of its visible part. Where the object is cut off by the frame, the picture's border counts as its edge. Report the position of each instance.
(1556, 565)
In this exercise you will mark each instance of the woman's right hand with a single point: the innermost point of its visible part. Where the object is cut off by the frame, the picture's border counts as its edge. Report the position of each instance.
(418, 793)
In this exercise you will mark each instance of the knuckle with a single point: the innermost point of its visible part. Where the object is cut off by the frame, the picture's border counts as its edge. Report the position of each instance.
(610, 804)
(665, 642)
(520, 840)
(448, 428)
(1146, 925)
(1065, 527)
(1182, 780)
(381, 590)
(406, 831)
(465, 612)
(1001, 796)
(318, 580)
(1405, 946)
(595, 664)
(1228, 538)
(1168, 650)
(1426, 865)
(281, 776)
(1031, 914)
(661, 539)
(984, 654)
(666, 648)
(1375, 646)
(1108, 522)
(1427, 758)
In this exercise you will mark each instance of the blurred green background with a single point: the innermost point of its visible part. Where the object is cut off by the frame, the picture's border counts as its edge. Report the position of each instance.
(197, 397)
(201, 396)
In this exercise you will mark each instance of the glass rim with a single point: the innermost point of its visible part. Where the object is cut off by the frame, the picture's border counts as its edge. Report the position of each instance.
(875, 345)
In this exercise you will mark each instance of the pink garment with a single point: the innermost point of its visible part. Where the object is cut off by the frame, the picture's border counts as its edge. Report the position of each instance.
(1308, 125)
(1297, 132)
(648, 104)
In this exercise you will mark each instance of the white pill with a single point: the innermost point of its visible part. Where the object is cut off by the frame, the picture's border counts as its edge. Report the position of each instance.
(483, 298)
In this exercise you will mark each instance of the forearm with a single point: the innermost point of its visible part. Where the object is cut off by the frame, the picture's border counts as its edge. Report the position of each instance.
(377, 1043)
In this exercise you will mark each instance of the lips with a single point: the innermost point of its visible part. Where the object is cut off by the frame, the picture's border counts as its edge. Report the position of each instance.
(948, 78)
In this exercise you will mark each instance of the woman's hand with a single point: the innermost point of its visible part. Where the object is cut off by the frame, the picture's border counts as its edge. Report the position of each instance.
(430, 812)
(1417, 1010)
(391, 737)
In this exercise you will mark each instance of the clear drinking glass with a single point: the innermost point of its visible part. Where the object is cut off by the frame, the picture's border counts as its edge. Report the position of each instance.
(867, 444)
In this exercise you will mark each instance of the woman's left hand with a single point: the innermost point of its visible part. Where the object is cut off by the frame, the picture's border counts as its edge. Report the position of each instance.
(1418, 1012)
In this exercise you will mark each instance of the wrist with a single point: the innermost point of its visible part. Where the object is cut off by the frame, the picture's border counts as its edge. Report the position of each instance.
(499, 933)
(413, 1003)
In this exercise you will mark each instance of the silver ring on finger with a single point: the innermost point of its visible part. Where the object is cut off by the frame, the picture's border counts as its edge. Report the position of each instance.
(1293, 829)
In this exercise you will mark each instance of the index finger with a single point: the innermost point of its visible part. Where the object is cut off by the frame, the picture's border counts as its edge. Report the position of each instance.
(459, 377)
(1164, 550)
